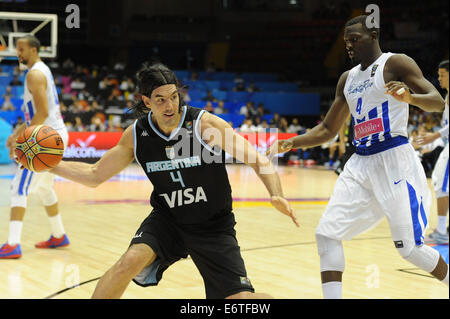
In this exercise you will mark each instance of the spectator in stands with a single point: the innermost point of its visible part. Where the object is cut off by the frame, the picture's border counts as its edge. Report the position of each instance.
(7, 105)
(258, 125)
(68, 64)
(78, 125)
(247, 126)
(295, 127)
(220, 109)
(238, 79)
(19, 121)
(239, 87)
(97, 125)
(77, 85)
(84, 95)
(261, 110)
(249, 110)
(185, 94)
(265, 126)
(104, 84)
(115, 98)
(3, 73)
(244, 109)
(115, 124)
(97, 107)
(209, 97)
(124, 84)
(252, 88)
(283, 128)
(76, 107)
(15, 81)
(209, 107)
(194, 76)
(275, 121)
(8, 92)
(119, 66)
(53, 64)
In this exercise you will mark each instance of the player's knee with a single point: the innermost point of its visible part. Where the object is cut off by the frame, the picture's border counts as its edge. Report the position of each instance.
(424, 257)
(331, 254)
(48, 196)
(19, 201)
(136, 258)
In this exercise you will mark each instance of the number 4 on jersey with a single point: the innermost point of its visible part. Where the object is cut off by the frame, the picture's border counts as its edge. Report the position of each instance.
(177, 179)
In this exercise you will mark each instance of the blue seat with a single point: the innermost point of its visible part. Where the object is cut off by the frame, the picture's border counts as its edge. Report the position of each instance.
(289, 103)
(5, 80)
(276, 86)
(220, 95)
(196, 95)
(199, 104)
(17, 102)
(17, 91)
(236, 119)
(238, 96)
(11, 116)
(259, 77)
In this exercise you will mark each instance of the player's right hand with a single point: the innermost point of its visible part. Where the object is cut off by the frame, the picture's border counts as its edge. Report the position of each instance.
(279, 147)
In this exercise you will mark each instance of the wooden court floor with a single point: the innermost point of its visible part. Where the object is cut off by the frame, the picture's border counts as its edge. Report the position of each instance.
(281, 259)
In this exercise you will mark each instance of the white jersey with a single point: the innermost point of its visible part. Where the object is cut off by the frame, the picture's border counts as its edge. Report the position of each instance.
(379, 120)
(444, 122)
(54, 118)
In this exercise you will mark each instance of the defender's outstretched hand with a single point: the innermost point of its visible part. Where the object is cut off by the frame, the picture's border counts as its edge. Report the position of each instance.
(283, 206)
(279, 147)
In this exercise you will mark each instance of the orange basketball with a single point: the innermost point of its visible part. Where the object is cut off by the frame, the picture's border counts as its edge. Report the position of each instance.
(39, 148)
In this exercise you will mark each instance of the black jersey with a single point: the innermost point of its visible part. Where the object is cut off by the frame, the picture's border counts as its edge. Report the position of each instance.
(189, 177)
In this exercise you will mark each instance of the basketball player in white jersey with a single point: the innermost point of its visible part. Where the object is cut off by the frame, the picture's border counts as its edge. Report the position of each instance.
(41, 106)
(384, 178)
(440, 172)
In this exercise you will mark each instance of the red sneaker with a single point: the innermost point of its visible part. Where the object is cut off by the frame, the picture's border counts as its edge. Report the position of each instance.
(10, 252)
(54, 242)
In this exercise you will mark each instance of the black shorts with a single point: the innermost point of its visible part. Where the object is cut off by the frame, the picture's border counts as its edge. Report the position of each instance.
(212, 246)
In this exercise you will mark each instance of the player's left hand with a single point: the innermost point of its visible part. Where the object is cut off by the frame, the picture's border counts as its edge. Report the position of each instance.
(11, 145)
(283, 206)
(427, 138)
(394, 88)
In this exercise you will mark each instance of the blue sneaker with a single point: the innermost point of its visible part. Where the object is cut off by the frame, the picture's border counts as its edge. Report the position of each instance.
(436, 238)
(10, 252)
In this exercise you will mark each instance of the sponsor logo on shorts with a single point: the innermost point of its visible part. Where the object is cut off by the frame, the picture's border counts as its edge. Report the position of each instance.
(398, 244)
(245, 281)
(138, 235)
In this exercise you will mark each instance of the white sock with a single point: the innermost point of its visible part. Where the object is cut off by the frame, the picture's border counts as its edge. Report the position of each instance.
(57, 226)
(332, 290)
(445, 280)
(15, 232)
(442, 224)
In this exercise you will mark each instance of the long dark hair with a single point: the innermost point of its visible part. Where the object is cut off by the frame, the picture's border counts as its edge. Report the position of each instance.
(149, 77)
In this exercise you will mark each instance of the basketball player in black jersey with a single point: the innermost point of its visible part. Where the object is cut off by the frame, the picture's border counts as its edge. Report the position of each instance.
(181, 149)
